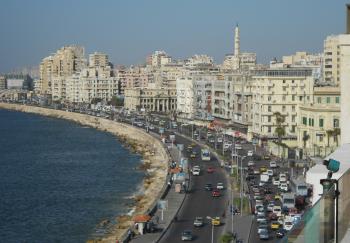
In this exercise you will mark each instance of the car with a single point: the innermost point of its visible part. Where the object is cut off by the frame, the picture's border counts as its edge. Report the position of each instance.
(196, 171)
(193, 154)
(198, 222)
(275, 181)
(210, 169)
(267, 157)
(256, 172)
(270, 172)
(151, 127)
(211, 140)
(261, 218)
(234, 210)
(278, 197)
(186, 235)
(275, 225)
(208, 187)
(262, 226)
(251, 163)
(215, 193)
(263, 169)
(280, 220)
(288, 224)
(273, 164)
(277, 210)
(250, 153)
(219, 139)
(264, 235)
(280, 233)
(220, 186)
(284, 187)
(283, 177)
(270, 206)
(272, 216)
(216, 221)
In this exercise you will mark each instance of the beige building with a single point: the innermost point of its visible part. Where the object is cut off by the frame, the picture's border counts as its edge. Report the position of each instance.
(334, 47)
(53, 69)
(303, 58)
(2, 82)
(319, 122)
(150, 99)
(279, 90)
(98, 59)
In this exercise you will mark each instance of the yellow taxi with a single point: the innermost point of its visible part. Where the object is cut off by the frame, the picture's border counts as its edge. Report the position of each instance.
(275, 225)
(263, 169)
(216, 221)
(278, 197)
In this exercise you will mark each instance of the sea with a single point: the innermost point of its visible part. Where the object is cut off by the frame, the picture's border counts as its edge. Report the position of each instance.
(60, 180)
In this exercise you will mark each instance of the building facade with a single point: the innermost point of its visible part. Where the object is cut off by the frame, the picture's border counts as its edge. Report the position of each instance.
(3, 83)
(150, 99)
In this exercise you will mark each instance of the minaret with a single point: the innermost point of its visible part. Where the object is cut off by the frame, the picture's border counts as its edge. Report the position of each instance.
(236, 51)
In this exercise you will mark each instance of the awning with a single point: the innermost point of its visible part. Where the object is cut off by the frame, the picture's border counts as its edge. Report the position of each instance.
(142, 218)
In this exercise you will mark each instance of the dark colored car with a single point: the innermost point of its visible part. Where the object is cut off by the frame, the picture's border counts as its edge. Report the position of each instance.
(186, 235)
(280, 233)
(208, 187)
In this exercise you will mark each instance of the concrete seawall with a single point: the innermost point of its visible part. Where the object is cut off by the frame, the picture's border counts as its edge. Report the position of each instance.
(155, 158)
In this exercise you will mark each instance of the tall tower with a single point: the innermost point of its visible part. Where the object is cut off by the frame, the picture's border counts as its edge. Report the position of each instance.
(236, 50)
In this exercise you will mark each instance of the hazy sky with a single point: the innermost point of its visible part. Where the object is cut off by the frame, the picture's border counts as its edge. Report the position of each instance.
(129, 30)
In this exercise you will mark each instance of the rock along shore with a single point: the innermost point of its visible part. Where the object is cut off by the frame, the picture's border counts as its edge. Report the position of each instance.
(155, 158)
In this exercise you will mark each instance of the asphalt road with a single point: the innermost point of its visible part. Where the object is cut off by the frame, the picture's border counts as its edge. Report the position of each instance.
(199, 202)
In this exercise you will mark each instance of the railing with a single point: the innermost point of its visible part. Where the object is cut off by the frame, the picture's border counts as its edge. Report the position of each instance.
(328, 220)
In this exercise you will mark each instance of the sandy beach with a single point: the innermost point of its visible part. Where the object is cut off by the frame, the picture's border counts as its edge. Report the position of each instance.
(155, 158)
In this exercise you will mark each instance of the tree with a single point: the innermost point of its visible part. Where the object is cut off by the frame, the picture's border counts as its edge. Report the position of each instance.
(280, 130)
(336, 133)
(329, 134)
(306, 137)
(95, 100)
(116, 101)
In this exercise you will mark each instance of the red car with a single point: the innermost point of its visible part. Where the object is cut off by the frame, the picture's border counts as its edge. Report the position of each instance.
(215, 193)
(210, 169)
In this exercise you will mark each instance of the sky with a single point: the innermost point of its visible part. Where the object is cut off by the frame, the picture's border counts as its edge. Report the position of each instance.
(129, 30)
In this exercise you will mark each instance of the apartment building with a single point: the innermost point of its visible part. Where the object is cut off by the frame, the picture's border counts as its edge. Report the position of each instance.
(186, 100)
(319, 122)
(280, 90)
(3, 82)
(98, 59)
(335, 47)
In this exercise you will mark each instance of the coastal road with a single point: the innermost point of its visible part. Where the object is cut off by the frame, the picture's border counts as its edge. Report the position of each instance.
(199, 202)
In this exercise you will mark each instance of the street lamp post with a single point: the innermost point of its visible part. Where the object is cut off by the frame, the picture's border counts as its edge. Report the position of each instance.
(212, 229)
(241, 187)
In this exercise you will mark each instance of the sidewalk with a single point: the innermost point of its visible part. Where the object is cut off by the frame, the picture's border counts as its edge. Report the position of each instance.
(174, 203)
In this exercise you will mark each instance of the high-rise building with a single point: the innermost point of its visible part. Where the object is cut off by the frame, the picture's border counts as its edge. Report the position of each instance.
(335, 47)
(98, 59)
(2, 82)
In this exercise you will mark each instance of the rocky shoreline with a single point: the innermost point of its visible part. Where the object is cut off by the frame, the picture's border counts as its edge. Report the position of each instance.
(155, 160)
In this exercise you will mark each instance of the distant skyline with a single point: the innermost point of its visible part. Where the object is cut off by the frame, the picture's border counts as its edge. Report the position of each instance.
(129, 30)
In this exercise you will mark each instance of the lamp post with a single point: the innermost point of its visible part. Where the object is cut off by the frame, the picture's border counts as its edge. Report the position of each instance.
(212, 229)
(241, 184)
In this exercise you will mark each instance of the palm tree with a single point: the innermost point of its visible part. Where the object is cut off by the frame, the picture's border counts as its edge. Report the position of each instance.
(329, 134)
(336, 133)
(305, 138)
(280, 130)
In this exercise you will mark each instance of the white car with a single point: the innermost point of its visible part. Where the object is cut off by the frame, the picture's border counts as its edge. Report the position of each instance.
(283, 178)
(251, 163)
(273, 164)
(219, 140)
(284, 187)
(270, 172)
(250, 153)
(288, 224)
(196, 170)
(277, 210)
(220, 186)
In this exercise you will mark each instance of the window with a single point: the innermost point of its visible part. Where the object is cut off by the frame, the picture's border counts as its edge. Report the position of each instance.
(300, 98)
(284, 108)
(321, 138)
(337, 99)
(269, 98)
(293, 108)
(293, 129)
(269, 129)
(311, 122)
(284, 88)
(269, 108)
(321, 122)
(304, 121)
(328, 100)
(335, 123)
(284, 98)
(269, 118)
(293, 97)
(293, 118)
(284, 81)
(319, 100)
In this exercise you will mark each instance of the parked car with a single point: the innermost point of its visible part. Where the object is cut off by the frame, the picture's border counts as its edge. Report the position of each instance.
(275, 225)
(251, 163)
(250, 153)
(264, 235)
(262, 226)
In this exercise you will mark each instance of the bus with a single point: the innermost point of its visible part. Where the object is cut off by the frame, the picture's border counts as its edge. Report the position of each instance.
(205, 154)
